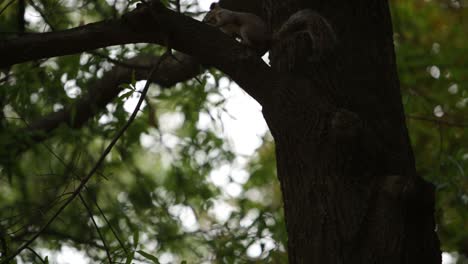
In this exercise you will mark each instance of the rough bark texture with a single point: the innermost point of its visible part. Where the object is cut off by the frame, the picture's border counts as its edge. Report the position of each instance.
(345, 163)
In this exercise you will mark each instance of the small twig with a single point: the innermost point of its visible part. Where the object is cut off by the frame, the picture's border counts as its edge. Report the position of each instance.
(109, 225)
(90, 213)
(95, 167)
(195, 77)
(437, 121)
(7, 5)
(118, 62)
(43, 15)
(78, 240)
(152, 119)
(36, 254)
(441, 147)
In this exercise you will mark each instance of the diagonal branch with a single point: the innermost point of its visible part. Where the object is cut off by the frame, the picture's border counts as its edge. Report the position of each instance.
(109, 224)
(438, 121)
(36, 254)
(51, 44)
(6, 6)
(103, 91)
(182, 33)
(90, 213)
(92, 171)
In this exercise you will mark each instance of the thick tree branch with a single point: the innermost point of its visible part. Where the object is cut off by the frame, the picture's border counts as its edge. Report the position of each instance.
(183, 33)
(206, 43)
(106, 89)
(51, 44)
(103, 91)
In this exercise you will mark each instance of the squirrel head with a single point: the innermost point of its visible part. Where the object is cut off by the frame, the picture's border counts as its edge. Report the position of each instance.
(210, 17)
(214, 6)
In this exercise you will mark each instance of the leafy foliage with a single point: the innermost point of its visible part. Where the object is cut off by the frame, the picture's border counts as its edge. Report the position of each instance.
(431, 48)
(156, 199)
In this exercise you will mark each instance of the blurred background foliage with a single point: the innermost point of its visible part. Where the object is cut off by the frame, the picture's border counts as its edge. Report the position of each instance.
(174, 188)
(431, 46)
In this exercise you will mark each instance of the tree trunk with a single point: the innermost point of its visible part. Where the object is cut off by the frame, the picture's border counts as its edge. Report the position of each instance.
(345, 163)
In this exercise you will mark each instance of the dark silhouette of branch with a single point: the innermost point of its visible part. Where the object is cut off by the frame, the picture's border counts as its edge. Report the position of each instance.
(84, 38)
(209, 45)
(109, 225)
(94, 200)
(101, 92)
(21, 21)
(77, 240)
(119, 62)
(178, 68)
(93, 170)
(36, 254)
(6, 6)
(90, 213)
(438, 121)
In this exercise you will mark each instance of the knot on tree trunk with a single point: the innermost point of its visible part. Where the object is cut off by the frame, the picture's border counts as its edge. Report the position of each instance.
(345, 125)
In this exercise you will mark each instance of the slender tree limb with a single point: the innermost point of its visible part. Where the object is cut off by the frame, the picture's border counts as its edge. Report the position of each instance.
(103, 91)
(36, 254)
(109, 225)
(77, 240)
(179, 67)
(51, 44)
(6, 6)
(90, 213)
(438, 121)
(119, 62)
(92, 171)
(94, 200)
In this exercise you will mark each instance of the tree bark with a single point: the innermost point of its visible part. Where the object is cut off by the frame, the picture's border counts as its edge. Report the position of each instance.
(346, 167)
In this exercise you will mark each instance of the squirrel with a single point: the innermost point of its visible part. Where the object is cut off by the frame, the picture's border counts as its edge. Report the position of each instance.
(253, 31)
(249, 28)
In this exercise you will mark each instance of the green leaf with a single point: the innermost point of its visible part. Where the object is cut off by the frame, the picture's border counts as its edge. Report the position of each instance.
(125, 86)
(136, 238)
(148, 256)
(165, 3)
(126, 94)
(130, 257)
